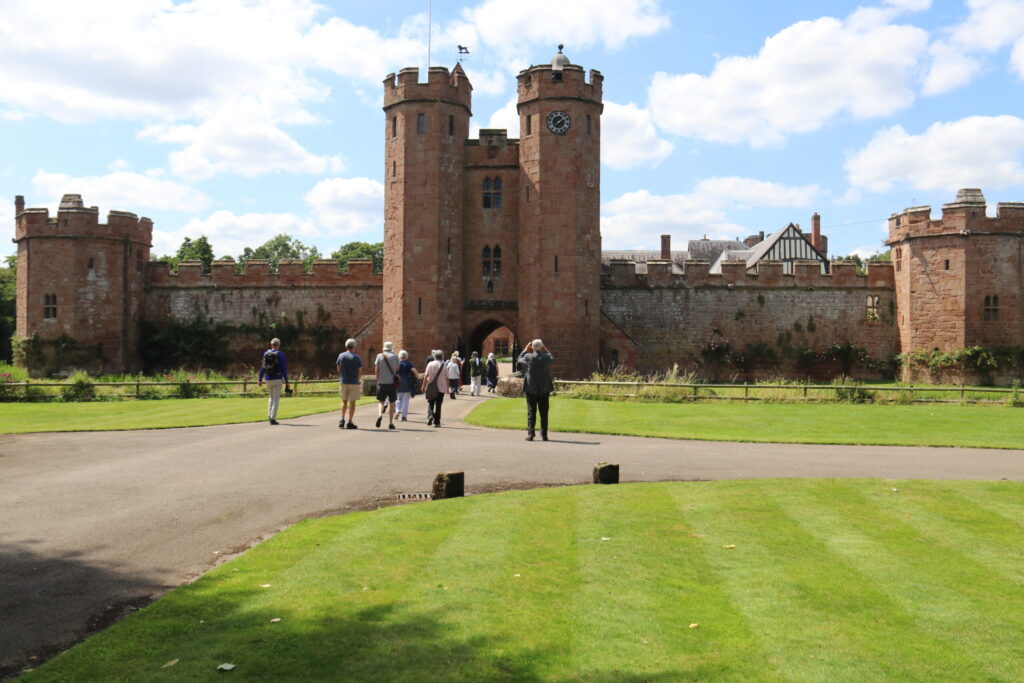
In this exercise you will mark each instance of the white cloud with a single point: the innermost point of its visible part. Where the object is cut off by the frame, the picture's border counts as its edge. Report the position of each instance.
(636, 219)
(629, 138)
(231, 233)
(990, 26)
(122, 191)
(344, 206)
(514, 27)
(229, 144)
(803, 76)
(910, 5)
(507, 117)
(977, 151)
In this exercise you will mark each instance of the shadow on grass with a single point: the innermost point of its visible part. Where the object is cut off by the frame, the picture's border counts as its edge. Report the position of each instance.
(204, 625)
(49, 603)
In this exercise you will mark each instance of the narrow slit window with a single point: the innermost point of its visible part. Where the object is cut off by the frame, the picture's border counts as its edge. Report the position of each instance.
(947, 264)
(419, 305)
(421, 124)
(49, 307)
(556, 263)
(451, 126)
(529, 124)
(394, 126)
(588, 124)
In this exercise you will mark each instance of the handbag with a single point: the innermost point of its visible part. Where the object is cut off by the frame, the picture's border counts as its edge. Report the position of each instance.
(432, 391)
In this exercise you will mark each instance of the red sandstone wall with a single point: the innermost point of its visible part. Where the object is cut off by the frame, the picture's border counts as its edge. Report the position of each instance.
(260, 305)
(698, 321)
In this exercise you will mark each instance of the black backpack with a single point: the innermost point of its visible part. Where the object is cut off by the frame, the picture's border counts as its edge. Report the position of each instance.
(271, 363)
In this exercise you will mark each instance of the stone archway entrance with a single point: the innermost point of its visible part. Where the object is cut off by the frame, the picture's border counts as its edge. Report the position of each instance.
(493, 336)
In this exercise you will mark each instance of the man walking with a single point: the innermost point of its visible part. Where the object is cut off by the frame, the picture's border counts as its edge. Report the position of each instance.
(535, 363)
(385, 367)
(273, 369)
(350, 387)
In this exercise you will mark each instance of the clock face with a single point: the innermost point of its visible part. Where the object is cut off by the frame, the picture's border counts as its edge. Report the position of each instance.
(559, 122)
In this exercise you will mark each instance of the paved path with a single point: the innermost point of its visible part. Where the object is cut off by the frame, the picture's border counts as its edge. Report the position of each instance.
(93, 522)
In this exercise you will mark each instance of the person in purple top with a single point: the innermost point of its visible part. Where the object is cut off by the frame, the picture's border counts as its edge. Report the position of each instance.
(351, 387)
(273, 369)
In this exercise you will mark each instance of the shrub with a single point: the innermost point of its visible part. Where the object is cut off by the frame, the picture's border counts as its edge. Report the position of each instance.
(849, 391)
(80, 388)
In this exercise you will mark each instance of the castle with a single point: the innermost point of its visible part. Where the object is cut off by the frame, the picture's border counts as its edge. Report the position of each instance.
(499, 234)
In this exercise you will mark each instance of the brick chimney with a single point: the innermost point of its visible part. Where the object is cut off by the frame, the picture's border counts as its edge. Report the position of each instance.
(19, 204)
(666, 247)
(816, 231)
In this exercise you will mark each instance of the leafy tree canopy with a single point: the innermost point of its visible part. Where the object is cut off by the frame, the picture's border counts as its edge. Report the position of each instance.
(281, 247)
(196, 250)
(360, 250)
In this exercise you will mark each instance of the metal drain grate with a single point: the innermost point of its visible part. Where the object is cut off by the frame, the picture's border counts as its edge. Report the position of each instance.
(413, 496)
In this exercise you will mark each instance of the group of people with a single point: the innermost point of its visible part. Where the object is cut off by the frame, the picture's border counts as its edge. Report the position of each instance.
(398, 381)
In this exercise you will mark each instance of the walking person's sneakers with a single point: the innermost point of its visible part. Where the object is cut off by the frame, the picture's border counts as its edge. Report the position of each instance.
(378, 420)
(341, 423)
(272, 421)
(351, 425)
(392, 426)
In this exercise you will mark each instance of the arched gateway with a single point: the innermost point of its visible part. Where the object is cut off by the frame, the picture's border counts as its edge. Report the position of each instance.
(494, 232)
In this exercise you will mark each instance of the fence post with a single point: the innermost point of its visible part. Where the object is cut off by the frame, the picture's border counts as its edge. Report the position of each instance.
(805, 391)
(746, 390)
(138, 388)
(961, 392)
(26, 389)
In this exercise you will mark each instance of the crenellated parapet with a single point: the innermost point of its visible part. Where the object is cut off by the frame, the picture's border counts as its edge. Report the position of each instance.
(75, 220)
(541, 82)
(258, 274)
(735, 275)
(964, 216)
(441, 86)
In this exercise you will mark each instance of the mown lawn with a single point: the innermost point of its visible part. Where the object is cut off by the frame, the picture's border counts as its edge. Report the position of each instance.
(187, 412)
(825, 423)
(809, 580)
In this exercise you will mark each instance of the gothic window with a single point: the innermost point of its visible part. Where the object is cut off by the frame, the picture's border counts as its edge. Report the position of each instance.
(496, 262)
(490, 287)
(49, 307)
(487, 262)
(493, 194)
(992, 307)
(872, 307)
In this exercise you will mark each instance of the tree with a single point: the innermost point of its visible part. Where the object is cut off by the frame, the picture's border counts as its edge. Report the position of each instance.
(862, 263)
(281, 247)
(360, 250)
(190, 250)
(8, 287)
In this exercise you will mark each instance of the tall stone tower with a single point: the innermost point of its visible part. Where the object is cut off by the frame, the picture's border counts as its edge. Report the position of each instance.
(559, 212)
(426, 127)
(80, 286)
(959, 278)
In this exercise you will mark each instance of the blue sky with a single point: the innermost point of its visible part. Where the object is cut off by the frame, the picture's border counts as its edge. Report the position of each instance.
(242, 119)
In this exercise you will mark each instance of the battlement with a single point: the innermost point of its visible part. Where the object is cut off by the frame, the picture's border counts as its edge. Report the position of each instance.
(541, 82)
(494, 148)
(441, 86)
(74, 219)
(965, 215)
(806, 274)
(257, 273)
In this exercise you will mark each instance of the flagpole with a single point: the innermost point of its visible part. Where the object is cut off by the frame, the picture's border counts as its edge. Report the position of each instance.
(430, 24)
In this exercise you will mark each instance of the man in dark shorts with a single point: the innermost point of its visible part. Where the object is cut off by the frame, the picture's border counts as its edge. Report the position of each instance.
(385, 367)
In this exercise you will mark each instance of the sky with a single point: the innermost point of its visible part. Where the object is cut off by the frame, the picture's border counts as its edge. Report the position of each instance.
(243, 119)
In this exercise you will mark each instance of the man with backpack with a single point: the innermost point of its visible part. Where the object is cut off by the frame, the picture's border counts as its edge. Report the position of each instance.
(273, 369)
(385, 367)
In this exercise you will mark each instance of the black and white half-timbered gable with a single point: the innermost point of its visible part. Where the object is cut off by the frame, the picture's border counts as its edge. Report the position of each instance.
(787, 245)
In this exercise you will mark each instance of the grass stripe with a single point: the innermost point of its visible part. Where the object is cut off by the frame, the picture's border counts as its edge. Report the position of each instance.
(816, 617)
(960, 608)
(625, 634)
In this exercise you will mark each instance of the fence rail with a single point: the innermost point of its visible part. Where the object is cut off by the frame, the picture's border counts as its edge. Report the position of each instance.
(803, 391)
(24, 389)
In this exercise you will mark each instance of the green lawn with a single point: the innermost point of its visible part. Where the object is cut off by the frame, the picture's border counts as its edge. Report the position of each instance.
(809, 580)
(827, 423)
(187, 412)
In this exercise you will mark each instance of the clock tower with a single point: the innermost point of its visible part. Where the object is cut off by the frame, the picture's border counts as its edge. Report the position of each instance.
(559, 251)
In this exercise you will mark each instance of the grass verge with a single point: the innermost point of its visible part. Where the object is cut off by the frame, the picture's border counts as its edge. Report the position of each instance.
(20, 418)
(824, 423)
(855, 580)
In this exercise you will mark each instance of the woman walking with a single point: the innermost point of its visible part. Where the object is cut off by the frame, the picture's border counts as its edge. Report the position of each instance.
(454, 371)
(491, 372)
(435, 385)
(406, 382)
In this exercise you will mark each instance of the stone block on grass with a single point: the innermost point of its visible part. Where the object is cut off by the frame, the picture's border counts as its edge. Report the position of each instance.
(606, 473)
(449, 485)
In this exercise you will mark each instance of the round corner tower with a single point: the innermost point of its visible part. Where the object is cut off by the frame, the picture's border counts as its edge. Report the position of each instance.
(559, 212)
(958, 279)
(426, 126)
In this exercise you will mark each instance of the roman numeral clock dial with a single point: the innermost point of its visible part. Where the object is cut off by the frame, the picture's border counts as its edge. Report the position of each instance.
(559, 122)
